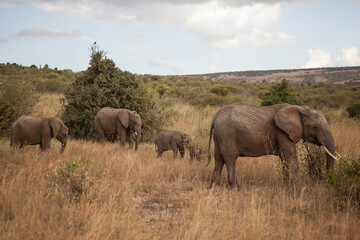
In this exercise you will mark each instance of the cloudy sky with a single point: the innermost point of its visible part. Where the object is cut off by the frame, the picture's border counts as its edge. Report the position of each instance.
(182, 36)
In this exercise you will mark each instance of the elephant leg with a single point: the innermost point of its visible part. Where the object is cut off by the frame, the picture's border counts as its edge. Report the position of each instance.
(289, 159)
(128, 138)
(219, 164)
(182, 152)
(175, 150)
(45, 142)
(159, 153)
(122, 134)
(230, 165)
(100, 134)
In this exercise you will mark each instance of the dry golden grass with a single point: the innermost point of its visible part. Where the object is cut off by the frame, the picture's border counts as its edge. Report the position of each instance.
(48, 105)
(135, 195)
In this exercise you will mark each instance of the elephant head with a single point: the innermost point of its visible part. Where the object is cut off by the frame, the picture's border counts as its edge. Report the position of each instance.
(132, 120)
(59, 131)
(309, 125)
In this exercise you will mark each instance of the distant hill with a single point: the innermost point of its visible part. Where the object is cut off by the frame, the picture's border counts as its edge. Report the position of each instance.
(336, 75)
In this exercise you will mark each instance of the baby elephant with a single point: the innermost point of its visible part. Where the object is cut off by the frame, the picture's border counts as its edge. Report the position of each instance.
(38, 130)
(173, 140)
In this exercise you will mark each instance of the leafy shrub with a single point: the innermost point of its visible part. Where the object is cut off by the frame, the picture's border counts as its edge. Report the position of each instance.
(220, 90)
(162, 89)
(354, 110)
(280, 93)
(105, 85)
(216, 100)
(16, 98)
(346, 179)
(51, 85)
(71, 178)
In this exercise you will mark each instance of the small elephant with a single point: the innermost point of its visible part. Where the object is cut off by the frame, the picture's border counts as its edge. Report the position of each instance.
(33, 130)
(117, 120)
(173, 140)
(243, 129)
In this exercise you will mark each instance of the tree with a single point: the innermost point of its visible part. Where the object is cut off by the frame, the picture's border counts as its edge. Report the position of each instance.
(354, 110)
(280, 93)
(17, 98)
(101, 85)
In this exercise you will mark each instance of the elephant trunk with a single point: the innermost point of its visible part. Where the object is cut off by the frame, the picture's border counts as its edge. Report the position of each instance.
(329, 147)
(63, 144)
(138, 136)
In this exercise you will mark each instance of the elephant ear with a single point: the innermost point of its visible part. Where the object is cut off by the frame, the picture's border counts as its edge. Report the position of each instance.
(55, 126)
(288, 119)
(124, 117)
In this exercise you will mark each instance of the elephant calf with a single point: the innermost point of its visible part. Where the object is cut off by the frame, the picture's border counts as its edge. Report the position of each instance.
(38, 130)
(173, 140)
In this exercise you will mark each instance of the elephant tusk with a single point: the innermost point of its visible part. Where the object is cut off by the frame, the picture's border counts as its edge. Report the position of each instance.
(329, 153)
(338, 155)
(135, 133)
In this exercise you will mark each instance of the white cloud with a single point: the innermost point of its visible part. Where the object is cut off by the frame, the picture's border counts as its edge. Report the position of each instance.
(171, 65)
(349, 57)
(50, 34)
(217, 24)
(131, 47)
(318, 58)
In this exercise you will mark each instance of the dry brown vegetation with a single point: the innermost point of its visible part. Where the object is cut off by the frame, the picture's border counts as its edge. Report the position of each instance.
(117, 193)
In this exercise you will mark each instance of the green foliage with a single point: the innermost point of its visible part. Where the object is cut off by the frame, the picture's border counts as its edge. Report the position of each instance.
(41, 79)
(16, 98)
(71, 179)
(51, 85)
(216, 100)
(162, 89)
(101, 85)
(220, 90)
(354, 110)
(346, 179)
(280, 93)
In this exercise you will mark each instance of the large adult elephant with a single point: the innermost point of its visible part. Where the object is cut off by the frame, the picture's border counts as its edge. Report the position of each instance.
(243, 129)
(173, 140)
(118, 120)
(33, 130)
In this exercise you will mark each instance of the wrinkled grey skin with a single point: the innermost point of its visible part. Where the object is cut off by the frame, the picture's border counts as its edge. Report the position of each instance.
(173, 140)
(118, 120)
(38, 130)
(243, 129)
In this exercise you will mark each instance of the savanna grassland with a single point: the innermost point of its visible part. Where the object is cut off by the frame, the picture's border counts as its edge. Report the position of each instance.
(102, 191)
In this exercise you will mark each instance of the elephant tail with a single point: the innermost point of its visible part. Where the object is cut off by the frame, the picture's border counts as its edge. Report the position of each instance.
(211, 132)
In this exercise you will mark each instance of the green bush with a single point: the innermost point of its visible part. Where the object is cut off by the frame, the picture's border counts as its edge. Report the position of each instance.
(354, 110)
(51, 85)
(216, 100)
(103, 84)
(280, 93)
(220, 90)
(16, 98)
(346, 179)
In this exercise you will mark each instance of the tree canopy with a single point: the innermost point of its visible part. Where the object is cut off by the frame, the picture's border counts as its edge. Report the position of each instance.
(280, 93)
(105, 85)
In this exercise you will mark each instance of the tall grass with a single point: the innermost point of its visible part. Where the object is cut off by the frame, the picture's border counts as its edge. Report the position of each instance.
(135, 195)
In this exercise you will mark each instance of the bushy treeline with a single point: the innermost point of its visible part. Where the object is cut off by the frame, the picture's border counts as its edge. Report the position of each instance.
(42, 79)
(204, 91)
(103, 84)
